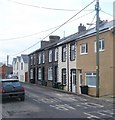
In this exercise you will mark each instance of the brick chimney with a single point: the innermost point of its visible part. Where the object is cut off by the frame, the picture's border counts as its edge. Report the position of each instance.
(44, 43)
(81, 28)
(53, 38)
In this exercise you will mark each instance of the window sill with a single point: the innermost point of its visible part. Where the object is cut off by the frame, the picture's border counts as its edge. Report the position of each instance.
(90, 86)
(83, 53)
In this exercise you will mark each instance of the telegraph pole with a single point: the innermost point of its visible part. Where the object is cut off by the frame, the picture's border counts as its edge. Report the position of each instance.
(97, 47)
(7, 68)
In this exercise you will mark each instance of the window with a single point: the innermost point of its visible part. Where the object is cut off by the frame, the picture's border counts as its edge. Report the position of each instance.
(43, 58)
(50, 55)
(31, 73)
(39, 73)
(39, 58)
(72, 52)
(63, 54)
(17, 65)
(31, 59)
(21, 66)
(64, 76)
(91, 79)
(101, 45)
(83, 48)
(73, 75)
(50, 73)
(34, 59)
(56, 54)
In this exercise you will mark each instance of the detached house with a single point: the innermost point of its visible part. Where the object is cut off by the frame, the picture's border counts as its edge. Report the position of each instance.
(20, 67)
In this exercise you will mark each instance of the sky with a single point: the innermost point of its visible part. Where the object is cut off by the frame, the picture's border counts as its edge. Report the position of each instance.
(23, 23)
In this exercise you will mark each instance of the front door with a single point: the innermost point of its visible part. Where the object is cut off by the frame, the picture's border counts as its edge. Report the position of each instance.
(80, 82)
(56, 73)
(73, 80)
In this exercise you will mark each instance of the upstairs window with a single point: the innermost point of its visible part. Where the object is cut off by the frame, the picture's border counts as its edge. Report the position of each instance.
(64, 54)
(31, 59)
(17, 65)
(56, 54)
(43, 57)
(21, 66)
(50, 55)
(84, 48)
(72, 52)
(101, 45)
(39, 58)
(34, 59)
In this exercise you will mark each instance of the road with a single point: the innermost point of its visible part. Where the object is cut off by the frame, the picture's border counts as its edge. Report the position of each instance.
(42, 102)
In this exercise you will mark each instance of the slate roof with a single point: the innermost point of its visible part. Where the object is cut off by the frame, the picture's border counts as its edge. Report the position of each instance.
(25, 58)
(103, 26)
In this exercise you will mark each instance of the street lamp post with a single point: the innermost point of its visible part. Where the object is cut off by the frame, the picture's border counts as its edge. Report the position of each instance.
(97, 47)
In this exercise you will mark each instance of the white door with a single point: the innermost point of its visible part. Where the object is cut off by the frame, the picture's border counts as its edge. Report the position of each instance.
(74, 81)
(80, 82)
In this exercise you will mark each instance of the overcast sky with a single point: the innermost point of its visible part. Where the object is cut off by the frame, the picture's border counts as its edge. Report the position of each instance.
(22, 22)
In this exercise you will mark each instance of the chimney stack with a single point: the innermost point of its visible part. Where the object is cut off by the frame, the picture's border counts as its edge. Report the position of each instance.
(81, 28)
(53, 38)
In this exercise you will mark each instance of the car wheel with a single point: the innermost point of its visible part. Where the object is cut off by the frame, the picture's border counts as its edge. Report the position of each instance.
(22, 98)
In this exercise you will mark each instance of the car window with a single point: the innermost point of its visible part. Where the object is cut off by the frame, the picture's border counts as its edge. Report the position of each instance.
(14, 84)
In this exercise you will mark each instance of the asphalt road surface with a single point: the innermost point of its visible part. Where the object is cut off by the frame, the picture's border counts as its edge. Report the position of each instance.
(42, 102)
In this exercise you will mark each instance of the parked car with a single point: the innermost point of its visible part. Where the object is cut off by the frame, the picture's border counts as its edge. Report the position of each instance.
(12, 88)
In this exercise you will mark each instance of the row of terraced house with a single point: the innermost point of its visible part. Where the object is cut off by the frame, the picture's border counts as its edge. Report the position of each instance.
(71, 61)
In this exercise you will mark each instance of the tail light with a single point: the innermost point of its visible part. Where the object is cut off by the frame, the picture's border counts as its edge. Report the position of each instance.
(2, 90)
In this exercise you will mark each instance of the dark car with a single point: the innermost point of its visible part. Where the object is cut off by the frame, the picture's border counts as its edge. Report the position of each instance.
(12, 88)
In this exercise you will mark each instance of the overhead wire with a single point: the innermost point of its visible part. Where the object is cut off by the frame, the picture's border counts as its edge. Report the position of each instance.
(106, 13)
(92, 22)
(57, 28)
(47, 8)
(30, 35)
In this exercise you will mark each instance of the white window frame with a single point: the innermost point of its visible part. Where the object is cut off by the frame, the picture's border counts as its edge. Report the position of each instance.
(64, 81)
(101, 49)
(39, 73)
(64, 54)
(22, 66)
(31, 59)
(50, 73)
(90, 74)
(72, 52)
(34, 59)
(17, 65)
(56, 54)
(31, 73)
(50, 55)
(85, 45)
(39, 58)
(43, 57)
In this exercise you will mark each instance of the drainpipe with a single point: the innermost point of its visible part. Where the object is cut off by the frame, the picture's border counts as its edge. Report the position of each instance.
(68, 65)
